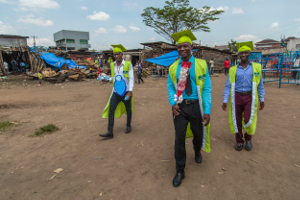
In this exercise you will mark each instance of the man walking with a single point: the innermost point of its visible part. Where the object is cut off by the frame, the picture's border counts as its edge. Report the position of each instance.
(14, 65)
(189, 91)
(121, 99)
(226, 66)
(243, 88)
(139, 73)
(212, 63)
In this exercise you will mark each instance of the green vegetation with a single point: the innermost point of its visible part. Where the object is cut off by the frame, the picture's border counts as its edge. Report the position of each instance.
(5, 125)
(232, 46)
(178, 15)
(45, 129)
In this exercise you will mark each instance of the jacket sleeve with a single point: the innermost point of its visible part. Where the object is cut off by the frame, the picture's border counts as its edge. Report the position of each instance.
(206, 94)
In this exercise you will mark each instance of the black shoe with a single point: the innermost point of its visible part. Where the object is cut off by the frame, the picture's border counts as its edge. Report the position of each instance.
(128, 129)
(178, 178)
(248, 145)
(107, 135)
(198, 157)
(239, 146)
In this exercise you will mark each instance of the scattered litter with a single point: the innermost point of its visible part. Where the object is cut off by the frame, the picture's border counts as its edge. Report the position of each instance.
(223, 169)
(254, 160)
(204, 186)
(221, 172)
(218, 136)
(213, 139)
(52, 177)
(89, 181)
(100, 194)
(165, 160)
(227, 158)
(297, 165)
(295, 117)
(58, 170)
(120, 149)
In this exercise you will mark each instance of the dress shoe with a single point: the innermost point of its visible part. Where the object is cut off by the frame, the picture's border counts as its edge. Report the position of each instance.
(178, 178)
(198, 157)
(107, 135)
(128, 129)
(239, 146)
(248, 145)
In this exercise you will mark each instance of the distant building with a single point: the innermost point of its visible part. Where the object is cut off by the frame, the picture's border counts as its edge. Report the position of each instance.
(222, 47)
(13, 40)
(267, 44)
(293, 43)
(71, 40)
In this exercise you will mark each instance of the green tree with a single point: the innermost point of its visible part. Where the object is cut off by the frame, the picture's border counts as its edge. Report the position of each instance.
(232, 46)
(178, 15)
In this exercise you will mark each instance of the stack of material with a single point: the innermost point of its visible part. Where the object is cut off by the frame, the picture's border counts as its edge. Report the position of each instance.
(86, 63)
(145, 73)
(48, 72)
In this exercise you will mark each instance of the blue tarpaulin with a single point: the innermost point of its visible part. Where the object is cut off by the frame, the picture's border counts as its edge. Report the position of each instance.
(166, 59)
(57, 62)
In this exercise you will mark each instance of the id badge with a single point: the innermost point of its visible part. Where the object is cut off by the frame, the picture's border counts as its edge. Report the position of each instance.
(120, 85)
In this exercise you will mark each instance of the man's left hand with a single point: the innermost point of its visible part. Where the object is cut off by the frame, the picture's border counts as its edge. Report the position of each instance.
(262, 105)
(206, 119)
(129, 94)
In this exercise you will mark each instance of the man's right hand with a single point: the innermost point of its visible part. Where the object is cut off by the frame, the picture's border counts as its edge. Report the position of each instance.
(224, 106)
(176, 110)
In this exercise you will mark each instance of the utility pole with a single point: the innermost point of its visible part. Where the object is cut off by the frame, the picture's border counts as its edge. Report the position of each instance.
(34, 42)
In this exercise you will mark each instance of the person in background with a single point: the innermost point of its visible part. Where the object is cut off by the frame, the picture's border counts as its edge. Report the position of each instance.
(139, 72)
(22, 67)
(211, 62)
(91, 72)
(101, 62)
(40, 76)
(296, 66)
(6, 67)
(226, 66)
(244, 91)
(14, 65)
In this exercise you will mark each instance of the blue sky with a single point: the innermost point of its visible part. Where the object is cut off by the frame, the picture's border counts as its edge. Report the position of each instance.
(119, 21)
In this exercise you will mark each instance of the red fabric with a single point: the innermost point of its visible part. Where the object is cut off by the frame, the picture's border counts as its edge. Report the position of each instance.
(242, 105)
(181, 84)
(226, 63)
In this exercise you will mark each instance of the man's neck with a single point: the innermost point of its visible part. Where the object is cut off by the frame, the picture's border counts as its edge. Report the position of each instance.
(119, 63)
(187, 58)
(245, 64)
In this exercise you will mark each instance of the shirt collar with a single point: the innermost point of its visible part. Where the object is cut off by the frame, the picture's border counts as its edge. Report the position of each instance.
(123, 63)
(250, 65)
(192, 59)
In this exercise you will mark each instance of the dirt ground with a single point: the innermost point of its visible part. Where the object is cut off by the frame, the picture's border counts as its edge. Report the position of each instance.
(141, 165)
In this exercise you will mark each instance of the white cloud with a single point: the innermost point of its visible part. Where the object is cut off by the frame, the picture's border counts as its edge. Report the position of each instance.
(29, 19)
(5, 1)
(101, 16)
(247, 38)
(101, 30)
(152, 39)
(6, 28)
(133, 28)
(41, 42)
(84, 8)
(237, 11)
(219, 8)
(129, 4)
(37, 4)
(215, 44)
(297, 20)
(275, 26)
(119, 29)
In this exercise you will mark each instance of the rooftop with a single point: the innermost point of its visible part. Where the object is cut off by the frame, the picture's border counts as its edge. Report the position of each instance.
(267, 41)
(12, 36)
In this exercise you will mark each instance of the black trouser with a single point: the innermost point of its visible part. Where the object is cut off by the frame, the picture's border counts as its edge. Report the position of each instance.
(189, 113)
(140, 78)
(114, 101)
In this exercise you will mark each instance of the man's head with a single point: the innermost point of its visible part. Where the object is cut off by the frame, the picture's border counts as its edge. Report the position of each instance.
(244, 50)
(226, 58)
(118, 52)
(184, 40)
(185, 50)
(212, 58)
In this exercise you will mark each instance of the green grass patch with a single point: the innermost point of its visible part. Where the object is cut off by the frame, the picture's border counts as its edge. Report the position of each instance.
(45, 129)
(5, 125)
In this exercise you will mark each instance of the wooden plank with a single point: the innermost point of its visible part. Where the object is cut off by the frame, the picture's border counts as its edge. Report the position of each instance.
(29, 59)
(2, 65)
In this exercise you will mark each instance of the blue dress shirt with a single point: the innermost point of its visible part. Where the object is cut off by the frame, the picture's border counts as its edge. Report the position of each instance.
(243, 83)
(206, 95)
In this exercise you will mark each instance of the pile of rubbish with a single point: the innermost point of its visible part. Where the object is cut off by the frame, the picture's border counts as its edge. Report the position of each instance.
(86, 63)
(104, 78)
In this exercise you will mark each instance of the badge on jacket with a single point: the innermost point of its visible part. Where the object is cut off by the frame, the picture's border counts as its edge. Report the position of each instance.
(120, 85)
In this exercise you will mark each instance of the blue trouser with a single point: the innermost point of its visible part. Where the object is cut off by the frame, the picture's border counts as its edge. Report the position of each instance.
(211, 70)
(15, 69)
